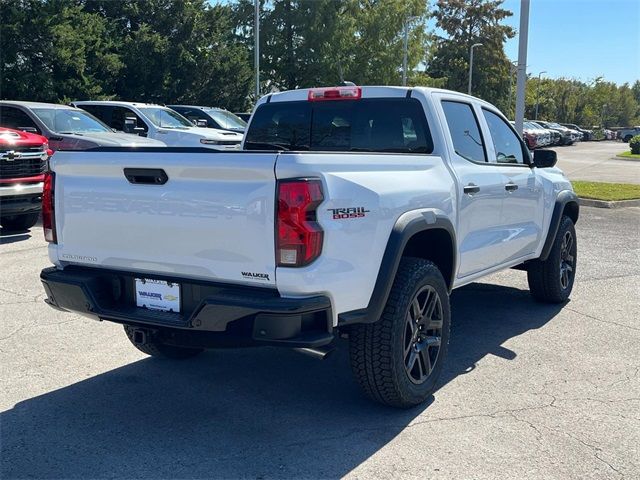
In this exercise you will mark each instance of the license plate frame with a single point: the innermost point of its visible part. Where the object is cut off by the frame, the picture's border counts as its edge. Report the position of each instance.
(158, 295)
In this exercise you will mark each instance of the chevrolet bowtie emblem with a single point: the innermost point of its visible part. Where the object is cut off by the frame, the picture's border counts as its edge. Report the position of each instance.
(11, 155)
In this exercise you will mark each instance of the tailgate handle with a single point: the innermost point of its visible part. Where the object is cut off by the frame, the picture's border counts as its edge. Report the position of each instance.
(146, 176)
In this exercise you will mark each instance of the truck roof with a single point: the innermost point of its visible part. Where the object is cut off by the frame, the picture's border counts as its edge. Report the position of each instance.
(367, 92)
(20, 103)
(116, 103)
(202, 107)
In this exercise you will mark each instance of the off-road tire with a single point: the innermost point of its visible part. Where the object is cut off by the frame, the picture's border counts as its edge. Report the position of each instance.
(377, 350)
(20, 222)
(156, 348)
(545, 279)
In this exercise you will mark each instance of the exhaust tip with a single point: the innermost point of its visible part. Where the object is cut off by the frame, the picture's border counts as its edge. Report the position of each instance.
(319, 353)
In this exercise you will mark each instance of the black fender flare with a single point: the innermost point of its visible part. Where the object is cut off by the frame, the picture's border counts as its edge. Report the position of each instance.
(408, 225)
(564, 198)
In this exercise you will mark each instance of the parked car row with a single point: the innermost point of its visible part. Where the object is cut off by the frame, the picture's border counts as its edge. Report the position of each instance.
(626, 134)
(85, 125)
(539, 134)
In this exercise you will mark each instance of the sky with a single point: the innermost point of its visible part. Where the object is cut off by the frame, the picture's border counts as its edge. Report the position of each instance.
(581, 39)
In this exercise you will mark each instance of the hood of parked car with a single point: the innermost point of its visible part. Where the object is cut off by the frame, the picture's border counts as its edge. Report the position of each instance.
(217, 134)
(200, 137)
(113, 139)
(17, 138)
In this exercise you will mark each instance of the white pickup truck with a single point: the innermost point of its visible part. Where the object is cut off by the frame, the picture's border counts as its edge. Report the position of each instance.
(159, 123)
(350, 210)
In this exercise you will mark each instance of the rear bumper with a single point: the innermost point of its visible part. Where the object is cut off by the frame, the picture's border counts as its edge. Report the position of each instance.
(211, 314)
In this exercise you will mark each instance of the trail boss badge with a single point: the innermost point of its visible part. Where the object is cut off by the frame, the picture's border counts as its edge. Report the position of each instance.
(350, 212)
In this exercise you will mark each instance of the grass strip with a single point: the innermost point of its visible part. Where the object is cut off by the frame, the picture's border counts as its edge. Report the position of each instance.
(606, 191)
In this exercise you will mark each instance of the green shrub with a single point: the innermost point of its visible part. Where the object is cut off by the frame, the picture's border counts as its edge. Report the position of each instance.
(634, 143)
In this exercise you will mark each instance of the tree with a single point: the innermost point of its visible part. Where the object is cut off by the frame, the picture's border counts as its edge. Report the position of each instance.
(306, 43)
(587, 104)
(178, 51)
(145, 50)
(466, 22)
(55, 51)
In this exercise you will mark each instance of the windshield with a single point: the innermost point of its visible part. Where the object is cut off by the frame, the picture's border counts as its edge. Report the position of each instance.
(227, 119)
(165, 117)
(70, 120)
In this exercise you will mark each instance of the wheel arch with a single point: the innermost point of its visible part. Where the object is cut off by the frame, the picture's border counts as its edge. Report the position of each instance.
(428, 234)
(566, 204)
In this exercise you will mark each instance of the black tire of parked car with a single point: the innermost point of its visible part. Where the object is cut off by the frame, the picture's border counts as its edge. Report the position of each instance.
(398, 359)
(627, 138)
(551, 280)
(20, 222)
(156, 348)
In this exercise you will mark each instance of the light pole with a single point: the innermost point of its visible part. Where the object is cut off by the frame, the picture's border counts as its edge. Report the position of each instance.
(256, 38)
(523, 40)
(513, 69)
(471, 64)
(405, 49)
(538, 92)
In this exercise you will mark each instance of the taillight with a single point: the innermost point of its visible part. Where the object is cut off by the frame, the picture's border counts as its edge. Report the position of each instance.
(48, 212)
(299, 236)
(334, 93)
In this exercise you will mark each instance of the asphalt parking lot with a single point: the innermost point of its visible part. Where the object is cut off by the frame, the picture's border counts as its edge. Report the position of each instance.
(597, 162)
(529, 390)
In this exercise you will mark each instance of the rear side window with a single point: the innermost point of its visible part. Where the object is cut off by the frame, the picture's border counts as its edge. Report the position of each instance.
(464, 130)
(367, 125)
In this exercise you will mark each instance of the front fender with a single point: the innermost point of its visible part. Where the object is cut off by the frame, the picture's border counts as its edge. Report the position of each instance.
(564, 198)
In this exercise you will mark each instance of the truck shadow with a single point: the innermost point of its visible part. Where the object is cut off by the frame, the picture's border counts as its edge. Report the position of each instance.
(12, 236)
(258, 413)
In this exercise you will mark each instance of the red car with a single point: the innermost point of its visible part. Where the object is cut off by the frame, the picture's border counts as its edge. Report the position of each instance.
(23, 161)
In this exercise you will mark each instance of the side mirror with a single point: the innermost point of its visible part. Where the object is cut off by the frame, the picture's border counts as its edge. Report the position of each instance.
(139, 131)
(129, 124)
(544, 158)
(201, 123)
(28, 129)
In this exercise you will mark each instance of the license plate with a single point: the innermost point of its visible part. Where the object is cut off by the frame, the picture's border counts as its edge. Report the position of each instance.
(157, 295)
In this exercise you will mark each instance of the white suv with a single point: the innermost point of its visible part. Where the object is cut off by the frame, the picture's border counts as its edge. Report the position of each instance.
(160, 123)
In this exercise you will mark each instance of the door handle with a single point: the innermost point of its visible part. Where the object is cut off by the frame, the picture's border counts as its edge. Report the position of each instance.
(146, 176)
(511, 187)
(471, 188)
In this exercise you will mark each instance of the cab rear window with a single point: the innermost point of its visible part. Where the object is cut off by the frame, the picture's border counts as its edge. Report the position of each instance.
(367, 125)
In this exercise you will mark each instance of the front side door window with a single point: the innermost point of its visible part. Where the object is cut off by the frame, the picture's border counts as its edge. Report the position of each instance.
(506, 143)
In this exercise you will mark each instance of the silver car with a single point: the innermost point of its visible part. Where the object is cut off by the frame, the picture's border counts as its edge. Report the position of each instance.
(67, 128)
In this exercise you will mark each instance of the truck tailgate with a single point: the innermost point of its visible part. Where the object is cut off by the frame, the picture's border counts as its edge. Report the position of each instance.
(213, 219)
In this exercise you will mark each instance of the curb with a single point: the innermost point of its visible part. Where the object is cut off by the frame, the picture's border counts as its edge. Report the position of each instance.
(589, 202)
(626, 159)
